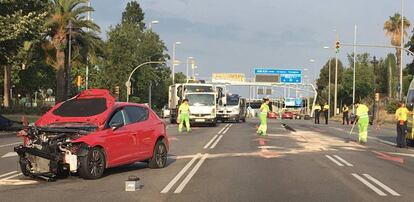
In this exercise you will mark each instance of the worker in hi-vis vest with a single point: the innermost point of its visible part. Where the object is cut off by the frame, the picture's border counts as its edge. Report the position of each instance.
(264, 110)
(184, 116)
(363, 121)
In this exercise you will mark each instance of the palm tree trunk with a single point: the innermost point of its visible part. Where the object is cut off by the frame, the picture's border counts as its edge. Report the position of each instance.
(389, 79)
(6, 86)
(397, 72)
(60, 76)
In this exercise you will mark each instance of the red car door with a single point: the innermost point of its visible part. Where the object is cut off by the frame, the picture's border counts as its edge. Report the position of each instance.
(142, 128)
(120, 141)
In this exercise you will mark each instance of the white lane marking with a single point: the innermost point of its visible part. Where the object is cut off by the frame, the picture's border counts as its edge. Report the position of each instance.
(224, 128)
(385, 187)
(215, 143)
(190, 175)
(183, 157)
(180, 174)
(6, 178)
(9, 173)
(211, 141)
(333, 160)
(224, 132)
(343, 160)
(372, 187)
(384, 141)
(9, 154)
(11, 144)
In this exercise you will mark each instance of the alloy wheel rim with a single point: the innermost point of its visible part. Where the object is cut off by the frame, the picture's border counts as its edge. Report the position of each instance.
(96, 163)
(161, 155)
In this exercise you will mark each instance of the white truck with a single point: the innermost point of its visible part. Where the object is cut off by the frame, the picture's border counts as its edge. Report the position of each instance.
(202, 100)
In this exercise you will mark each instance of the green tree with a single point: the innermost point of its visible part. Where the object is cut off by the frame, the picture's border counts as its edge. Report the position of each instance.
(20, 21)
(322, 81)
(62, 12)
(392, 28)
(129, 45)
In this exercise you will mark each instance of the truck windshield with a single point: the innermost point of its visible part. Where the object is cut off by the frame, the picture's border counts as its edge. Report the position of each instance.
(201, 99)
(232, 101)
(196, 89)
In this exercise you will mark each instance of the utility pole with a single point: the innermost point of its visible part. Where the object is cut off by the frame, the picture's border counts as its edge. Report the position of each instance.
(150, 94)
(87, 57)
(336, 77)
(402, 47)
(353, 81)
(329, 87)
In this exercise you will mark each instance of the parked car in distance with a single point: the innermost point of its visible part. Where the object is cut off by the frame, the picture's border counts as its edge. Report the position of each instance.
(287, 115)
(90, 133)
(272, 115)
(165, 112)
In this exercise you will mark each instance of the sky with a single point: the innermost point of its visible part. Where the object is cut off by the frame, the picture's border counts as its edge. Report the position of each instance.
(240, 35)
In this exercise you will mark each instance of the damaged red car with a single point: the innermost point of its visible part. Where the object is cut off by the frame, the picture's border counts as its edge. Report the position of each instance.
(90, 133)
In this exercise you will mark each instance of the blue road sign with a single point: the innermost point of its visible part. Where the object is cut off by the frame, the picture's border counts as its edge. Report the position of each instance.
(286, 76)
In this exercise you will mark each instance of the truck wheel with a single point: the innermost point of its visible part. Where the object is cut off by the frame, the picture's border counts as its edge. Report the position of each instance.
(92, 166)
(159, 156)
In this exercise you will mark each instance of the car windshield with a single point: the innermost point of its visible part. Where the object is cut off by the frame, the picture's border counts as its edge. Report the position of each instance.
(200, 99)
(81, 107)
(232, 100)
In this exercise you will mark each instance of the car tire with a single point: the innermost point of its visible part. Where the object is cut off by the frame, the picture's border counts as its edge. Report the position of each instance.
(24, 167)
(92, 166)
(159, 156)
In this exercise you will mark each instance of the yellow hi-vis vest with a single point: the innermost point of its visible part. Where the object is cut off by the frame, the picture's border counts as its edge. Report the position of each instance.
(362, 111)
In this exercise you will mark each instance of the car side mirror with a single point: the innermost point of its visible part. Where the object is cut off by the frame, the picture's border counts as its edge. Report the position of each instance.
(116, 125)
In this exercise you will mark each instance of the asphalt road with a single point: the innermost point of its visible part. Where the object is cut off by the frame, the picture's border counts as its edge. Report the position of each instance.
(231, 163)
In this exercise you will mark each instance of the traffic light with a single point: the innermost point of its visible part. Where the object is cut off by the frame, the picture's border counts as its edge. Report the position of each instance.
(78, 81)
(337, 46)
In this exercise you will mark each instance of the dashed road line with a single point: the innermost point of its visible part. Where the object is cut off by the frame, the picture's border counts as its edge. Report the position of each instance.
(385, 187)
(384, 141)
(334, 160)
(11, 144)
(180, 174)
(215, 143)
(343, 160)
(224, 128)
(9, 154)
(211, 141)
(224, 132)
(190, 175)
(10, 177)
(9, 173)
(369, 185)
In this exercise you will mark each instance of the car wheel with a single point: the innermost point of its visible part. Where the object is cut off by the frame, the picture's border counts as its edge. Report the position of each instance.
(159, 156)
(92, 165)
(24, 167)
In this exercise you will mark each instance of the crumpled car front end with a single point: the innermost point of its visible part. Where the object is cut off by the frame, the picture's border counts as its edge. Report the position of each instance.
(48, 152)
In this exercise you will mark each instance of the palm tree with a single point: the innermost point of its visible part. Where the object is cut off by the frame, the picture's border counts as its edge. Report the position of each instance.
(64, 11)
(392, 28)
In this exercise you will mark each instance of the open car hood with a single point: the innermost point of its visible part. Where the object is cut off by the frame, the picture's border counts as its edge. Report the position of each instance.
(90, 106)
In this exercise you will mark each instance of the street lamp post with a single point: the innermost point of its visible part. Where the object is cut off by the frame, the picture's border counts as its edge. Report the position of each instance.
(374, 62)
(128, 82)
(402, 47)
(152, 23)
(193, 67)
(174, 62)
(188, 62)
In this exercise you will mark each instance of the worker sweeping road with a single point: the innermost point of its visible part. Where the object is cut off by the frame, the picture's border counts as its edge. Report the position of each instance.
(264, 110)
(363, 120)
(184, 116)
